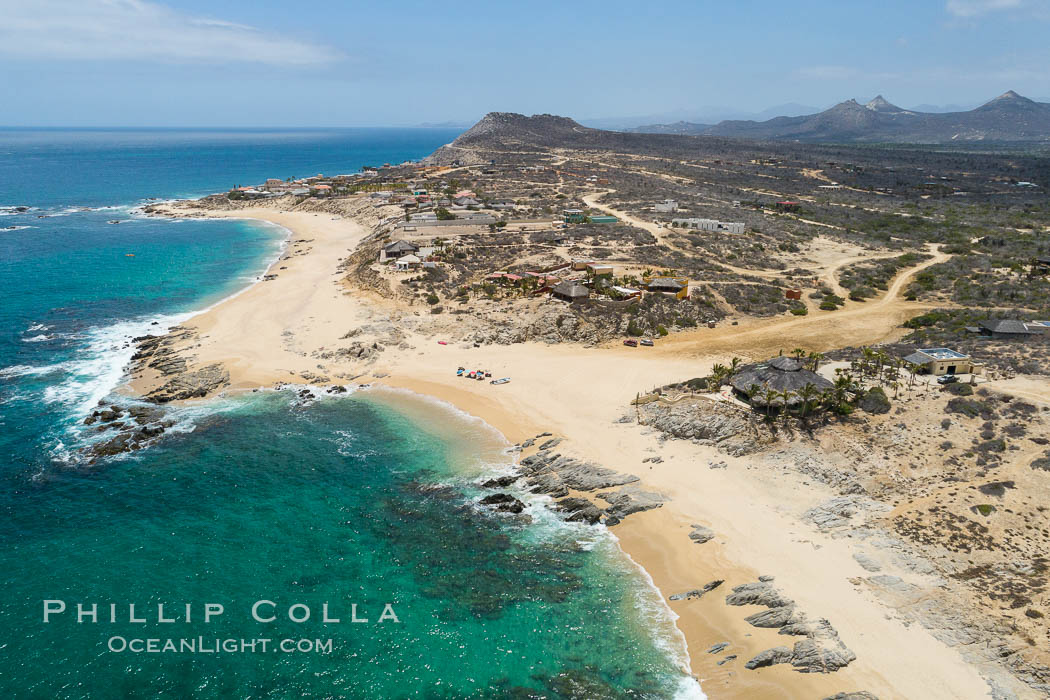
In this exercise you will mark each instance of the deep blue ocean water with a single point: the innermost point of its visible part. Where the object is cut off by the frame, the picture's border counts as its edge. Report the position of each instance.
(366, 499)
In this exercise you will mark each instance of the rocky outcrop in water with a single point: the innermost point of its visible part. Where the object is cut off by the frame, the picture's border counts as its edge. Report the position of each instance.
(191, 385)
(503, 503)
(573, 473)
(580, 509)
(124, 429)
(160, 354)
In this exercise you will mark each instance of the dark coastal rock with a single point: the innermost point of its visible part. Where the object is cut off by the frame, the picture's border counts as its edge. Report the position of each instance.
(773, 617)
(698, 593)
(821, 655)
(500, 482)
(759, 593)
(580, 509)
(191, 385)
(858, 695)
(145, 414)
(583, 476)
(631, 499)
(575, 474)
(148, 431)
(337, 389)
(548, 483)
(769, 657)
(727, 659)
(549, 444)
(503, 503)
(528, 443)
(717, 648)
(820, 652)
(114, 446)
(701, 534)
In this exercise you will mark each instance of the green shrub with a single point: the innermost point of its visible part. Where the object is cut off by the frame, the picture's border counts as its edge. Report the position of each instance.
(634, 329)
(827, 306)
(959, 389)
(432, 298)
(661, 330)
(799, 310)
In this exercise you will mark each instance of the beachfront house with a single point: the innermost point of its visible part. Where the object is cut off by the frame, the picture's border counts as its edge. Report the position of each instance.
(940, 361)
(776, 383)
(397, 249)
(573, 216)
(570, 291)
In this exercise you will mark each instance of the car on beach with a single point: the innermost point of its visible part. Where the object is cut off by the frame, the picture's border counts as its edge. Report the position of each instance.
(631, 343)
(646, 342)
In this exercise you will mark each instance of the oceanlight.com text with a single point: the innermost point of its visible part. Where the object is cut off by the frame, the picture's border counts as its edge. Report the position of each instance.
(212, 645)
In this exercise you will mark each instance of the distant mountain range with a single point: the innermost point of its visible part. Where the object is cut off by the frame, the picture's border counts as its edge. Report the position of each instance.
(1008, 118)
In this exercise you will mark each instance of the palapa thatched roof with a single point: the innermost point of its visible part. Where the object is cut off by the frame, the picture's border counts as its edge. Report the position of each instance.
(779, 374)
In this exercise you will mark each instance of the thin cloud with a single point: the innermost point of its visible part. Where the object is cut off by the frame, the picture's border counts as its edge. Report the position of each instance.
(90, 30)
(976, 8)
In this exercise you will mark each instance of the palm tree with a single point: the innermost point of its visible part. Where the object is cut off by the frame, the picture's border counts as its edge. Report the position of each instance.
(799, 353)
(815, 358)
(769, 397)
(718, 374)
(733, 364)
(806, 393)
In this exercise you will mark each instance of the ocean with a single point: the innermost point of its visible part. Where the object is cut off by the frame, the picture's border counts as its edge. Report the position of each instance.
(351, 521)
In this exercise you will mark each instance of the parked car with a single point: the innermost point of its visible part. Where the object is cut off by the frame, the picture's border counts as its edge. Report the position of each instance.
(631, 343)
(646, 342)
(947, 379)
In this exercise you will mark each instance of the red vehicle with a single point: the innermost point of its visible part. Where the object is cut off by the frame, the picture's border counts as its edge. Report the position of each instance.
(631, 343)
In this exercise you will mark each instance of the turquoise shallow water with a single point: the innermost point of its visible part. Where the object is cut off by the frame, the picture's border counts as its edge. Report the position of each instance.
(365, 499)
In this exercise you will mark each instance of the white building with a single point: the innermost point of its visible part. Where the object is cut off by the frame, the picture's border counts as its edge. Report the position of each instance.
(712, 225)
(667, 206)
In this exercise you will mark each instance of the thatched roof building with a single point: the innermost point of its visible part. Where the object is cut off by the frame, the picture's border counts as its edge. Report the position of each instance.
(779, 374)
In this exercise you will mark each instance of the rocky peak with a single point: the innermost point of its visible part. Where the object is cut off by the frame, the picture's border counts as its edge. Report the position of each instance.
(881, 104)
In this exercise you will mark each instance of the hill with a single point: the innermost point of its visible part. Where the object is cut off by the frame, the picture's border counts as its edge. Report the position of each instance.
(1008, 118)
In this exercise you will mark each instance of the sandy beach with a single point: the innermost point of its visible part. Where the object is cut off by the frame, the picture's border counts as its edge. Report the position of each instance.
(279, 329)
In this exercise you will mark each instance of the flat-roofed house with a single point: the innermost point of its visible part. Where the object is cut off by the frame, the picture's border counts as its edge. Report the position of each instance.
(599, 269)
(667, 206)
(408, 262)
(939, 361)
(1039, 326)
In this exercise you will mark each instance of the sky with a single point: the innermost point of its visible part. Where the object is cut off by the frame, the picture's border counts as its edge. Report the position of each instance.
(267, 63)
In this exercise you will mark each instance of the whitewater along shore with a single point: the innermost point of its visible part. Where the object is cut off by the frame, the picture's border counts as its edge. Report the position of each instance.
(302, 324)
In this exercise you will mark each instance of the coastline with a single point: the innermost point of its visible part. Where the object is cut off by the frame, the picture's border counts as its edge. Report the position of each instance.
(273, 331)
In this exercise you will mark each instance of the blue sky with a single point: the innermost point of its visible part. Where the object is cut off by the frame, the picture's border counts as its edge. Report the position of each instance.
(280, 63)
